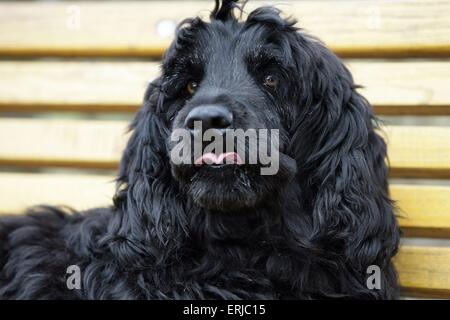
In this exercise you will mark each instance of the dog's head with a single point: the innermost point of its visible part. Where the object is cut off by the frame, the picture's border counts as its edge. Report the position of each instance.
(255, 77)
(256, 88)
(237, 81)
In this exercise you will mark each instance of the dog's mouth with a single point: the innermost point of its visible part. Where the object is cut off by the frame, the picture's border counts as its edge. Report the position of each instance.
(226, 182)
(230, 174)
(219, 160)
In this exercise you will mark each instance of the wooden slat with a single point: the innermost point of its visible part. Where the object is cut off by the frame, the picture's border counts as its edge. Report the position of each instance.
(80, 191)
(423, 210)
(404, 87)
(424, 271)
(393, 87)
(413, 151)
(419, 151)
(134, 28)
(74, 86)
(67, 143)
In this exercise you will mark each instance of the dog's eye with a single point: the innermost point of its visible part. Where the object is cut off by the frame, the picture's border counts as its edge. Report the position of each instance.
(192, 87)
(270, 81)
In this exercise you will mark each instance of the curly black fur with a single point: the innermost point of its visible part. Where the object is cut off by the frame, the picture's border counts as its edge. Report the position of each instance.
(310, 231)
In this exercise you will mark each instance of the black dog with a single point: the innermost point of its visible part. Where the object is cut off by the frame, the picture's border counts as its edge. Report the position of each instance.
(225, 231)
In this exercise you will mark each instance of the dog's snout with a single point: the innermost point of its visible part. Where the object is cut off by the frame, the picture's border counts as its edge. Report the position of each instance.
(211, 117)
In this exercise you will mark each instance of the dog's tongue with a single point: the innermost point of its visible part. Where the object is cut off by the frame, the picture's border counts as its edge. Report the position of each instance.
(211, 158)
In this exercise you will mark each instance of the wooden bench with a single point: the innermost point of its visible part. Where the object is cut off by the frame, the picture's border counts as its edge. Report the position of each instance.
(72, 74)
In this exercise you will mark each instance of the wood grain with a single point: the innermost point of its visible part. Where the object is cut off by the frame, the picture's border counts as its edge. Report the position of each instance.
(424, 271)
(393, 87)
(74, 85)
(61, 143)
(134, 28)
(80, 191)
(423, 210)
(418, 151)
(401, 87)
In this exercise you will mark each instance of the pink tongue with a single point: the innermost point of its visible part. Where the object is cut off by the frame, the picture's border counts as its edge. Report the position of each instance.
(211, 158)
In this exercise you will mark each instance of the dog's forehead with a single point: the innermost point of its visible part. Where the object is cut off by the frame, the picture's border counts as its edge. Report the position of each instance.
(224, 47)
(233, 40)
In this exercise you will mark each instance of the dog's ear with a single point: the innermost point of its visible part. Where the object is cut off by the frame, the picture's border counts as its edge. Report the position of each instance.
(342, 163)
(146, 201)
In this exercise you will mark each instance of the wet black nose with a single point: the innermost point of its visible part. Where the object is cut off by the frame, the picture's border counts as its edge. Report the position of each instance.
(211, 117)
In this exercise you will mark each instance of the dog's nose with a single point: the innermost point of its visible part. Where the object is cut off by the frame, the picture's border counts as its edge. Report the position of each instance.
(211, 117)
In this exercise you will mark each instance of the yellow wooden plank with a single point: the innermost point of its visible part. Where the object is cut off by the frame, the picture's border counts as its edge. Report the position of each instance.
(424, 271)
(396, 87)
(423, 210)
(418, 151)
(74, 86)
(393, 87)
(134, 28)
(68, 143)
(80, 191)
(413, 151)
